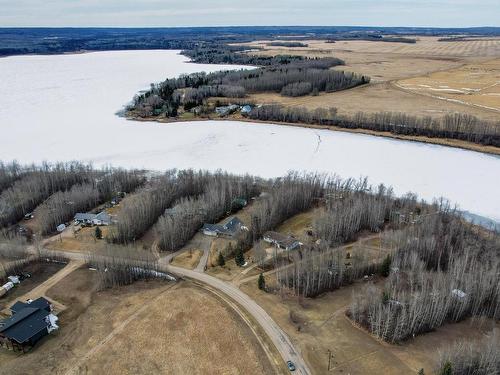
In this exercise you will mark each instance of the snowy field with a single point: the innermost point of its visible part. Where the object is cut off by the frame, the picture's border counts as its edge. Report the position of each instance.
(63, 108)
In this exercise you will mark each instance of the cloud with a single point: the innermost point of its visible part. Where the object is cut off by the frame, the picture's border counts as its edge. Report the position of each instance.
(444, 13)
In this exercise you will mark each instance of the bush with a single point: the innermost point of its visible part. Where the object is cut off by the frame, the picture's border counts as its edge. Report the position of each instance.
(262, 282)
(385, 267)
(220, 260)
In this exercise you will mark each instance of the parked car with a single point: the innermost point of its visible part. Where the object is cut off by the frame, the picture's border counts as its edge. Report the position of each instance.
(290, 365)
(24, 276)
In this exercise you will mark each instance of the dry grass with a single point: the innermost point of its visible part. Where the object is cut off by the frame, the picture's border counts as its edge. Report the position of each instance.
(145, 328)
(387, 62)
(82, 240)
(374, 98)
(298, 225)
(188, 259)
(474, 84)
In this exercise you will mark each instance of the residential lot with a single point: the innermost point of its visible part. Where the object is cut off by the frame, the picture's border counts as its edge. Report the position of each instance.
(145, 328)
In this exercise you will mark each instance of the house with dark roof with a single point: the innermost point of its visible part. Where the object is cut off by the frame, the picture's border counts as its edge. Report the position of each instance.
(102, 218)
(281, 241)
(29, 323)
(228, 229)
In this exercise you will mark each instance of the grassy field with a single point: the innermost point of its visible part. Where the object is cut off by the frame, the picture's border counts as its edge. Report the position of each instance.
(387, 63)
(188, 259)
(144, 328)
(80, 240)
(476, 85)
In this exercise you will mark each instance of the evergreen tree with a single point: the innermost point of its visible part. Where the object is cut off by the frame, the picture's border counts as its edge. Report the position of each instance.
(385, 268)
(98, 233)
(446, 369)
(220, 260)
(262, 282)
(421, 372)
(385, 297)
(239, 258)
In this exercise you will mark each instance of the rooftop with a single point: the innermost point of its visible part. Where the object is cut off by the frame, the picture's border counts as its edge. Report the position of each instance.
(27, 320)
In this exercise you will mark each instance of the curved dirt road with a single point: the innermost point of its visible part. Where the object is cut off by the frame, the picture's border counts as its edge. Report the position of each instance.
(279, 338)
(275, 333)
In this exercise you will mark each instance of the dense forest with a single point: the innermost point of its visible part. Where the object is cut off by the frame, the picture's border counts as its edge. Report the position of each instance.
(443, 270)
(61, 206)
(59, 191)
(36, 185)
(179, 224)
(140, 211)
(351, 206)
(471, 358)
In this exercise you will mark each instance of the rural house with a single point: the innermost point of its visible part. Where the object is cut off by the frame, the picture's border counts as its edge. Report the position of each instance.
(226, 110)
(229, 229)
(102, 218)
(281, 241)
(30, 321)
(246, 109)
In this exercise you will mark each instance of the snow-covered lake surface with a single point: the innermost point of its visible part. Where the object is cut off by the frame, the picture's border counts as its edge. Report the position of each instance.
(63, 108)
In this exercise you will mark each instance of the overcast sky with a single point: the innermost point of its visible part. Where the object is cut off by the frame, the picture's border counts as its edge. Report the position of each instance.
(439, 13)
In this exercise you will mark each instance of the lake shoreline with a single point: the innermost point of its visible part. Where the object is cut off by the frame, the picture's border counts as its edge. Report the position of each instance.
(51, 114)
(464, 145)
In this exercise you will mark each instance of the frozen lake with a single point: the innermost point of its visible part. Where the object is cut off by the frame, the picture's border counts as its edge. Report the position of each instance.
(63, 108)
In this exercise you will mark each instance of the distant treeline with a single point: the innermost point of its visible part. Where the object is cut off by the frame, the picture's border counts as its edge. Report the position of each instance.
(463, 127)
(222, 54)
(287, 44)
(18, 41)
(374, 38)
